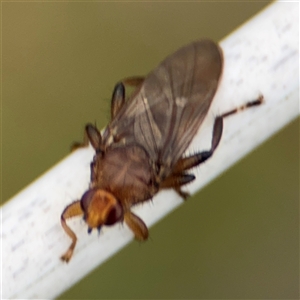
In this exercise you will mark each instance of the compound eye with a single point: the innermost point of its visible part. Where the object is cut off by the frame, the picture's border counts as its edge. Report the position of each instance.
(115, 214)
(86, 199)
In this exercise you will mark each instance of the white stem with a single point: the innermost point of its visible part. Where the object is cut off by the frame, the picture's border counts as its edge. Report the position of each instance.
(260, 58)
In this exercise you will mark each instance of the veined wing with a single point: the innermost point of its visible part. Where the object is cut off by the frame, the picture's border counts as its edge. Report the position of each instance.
(166, 112)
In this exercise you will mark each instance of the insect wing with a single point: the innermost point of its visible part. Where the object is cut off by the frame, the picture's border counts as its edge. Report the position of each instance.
(166, 112)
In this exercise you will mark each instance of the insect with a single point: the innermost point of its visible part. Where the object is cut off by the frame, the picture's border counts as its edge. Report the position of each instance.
(141, 150)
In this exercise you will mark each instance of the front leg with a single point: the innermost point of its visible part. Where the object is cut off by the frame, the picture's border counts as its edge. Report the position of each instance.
(137, 226)
(72, 210)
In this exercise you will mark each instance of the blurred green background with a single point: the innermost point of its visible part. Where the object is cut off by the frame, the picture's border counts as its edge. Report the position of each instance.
(237, 238)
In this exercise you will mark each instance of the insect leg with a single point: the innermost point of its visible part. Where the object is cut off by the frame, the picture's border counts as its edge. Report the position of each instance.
(178, 176)
(137, 225)
(118, 96)
(198, 158)
(92, 135)
(133, 81)
(72, 210)
(175, 181)
(118, 99)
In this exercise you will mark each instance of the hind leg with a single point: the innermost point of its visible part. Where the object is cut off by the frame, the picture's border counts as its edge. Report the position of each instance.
(178, 177)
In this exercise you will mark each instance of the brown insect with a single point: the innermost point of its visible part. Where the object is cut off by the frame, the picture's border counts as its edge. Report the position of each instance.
(141, 150)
